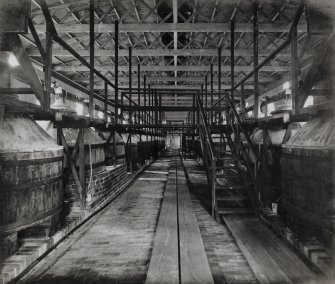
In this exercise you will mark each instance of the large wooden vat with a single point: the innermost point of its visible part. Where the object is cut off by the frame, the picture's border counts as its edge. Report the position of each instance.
(94, 147)
(119, 155)
(308, 179)
(31, 175)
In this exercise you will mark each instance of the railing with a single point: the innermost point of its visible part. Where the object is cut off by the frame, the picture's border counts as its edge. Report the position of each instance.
(208, 157)
(235, 124)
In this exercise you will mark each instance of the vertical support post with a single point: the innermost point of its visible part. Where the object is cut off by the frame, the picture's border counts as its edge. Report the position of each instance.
(144, 116)
(81, 163)
(219, 79)
(202, 94)
(145, 97)
(48, 64)
(198, 114)
(121, 107)
(206, 101)
(193, 113)
(130, 84)
(255, 25)
(160, 108)
(232, 59)
(116, 72)
(212, 92)
(232, 76)
(91, 103)
(139, 93)
(149, 103)
(105, 102)
(130, 113)
(156, 108)
(294, 70)
(242, 102)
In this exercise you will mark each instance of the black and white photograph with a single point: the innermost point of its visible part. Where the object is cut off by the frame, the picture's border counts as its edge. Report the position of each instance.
(167, 141)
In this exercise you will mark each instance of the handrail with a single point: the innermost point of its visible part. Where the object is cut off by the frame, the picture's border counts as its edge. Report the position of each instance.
(202, 116)
(239, 122)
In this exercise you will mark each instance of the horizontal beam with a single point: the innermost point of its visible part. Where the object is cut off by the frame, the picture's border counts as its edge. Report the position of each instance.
(159, 52)
(180, 87)
(157, 68)
(166, 79)
(171, 27)
(168, 108)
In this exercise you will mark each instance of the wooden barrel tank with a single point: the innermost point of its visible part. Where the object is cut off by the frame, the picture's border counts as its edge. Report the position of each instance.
(119, 155)
(31, 175)
(94, 147)
(308, 179)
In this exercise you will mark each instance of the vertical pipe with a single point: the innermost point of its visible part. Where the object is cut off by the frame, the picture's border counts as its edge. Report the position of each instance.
(255, 24)
(294, 70)
(212, 92)
(116, 72)
(91, 104)
(202, 94)
(139, 92)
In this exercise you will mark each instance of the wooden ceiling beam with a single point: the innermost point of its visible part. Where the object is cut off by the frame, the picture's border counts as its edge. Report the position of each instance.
(181, 87)
(151, 79)
(157, 68)
(173, 27)
(160, 52)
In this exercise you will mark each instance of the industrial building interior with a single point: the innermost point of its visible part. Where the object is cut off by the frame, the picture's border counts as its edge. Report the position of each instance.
(167, 141)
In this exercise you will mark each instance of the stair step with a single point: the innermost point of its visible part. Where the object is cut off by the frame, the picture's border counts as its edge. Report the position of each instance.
(236, 198)
(226, 167)
(228, 175)
(235, 211)
(233, 186)
(226, 158)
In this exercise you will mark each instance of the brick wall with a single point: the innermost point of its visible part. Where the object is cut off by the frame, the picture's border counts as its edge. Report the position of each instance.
(103, 185)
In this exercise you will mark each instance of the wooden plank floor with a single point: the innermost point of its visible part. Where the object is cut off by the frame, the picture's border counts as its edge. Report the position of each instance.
(170, 262)
(227, 263)
(193, 259)
(271, 260)
(164, 266)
